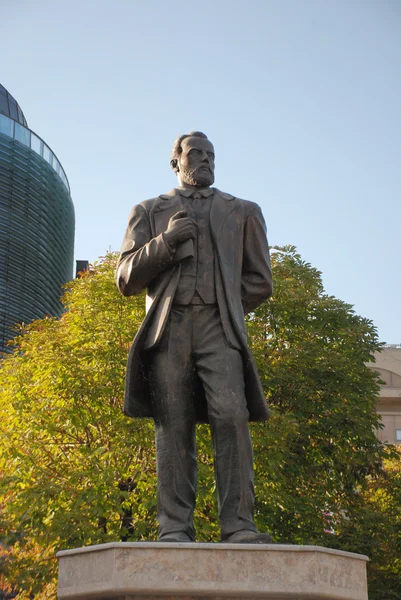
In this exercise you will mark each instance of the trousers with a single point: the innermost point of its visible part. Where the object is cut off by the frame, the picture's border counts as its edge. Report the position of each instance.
(194, 351)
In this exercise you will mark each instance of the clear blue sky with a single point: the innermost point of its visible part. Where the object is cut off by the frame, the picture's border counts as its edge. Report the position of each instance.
(301, 98)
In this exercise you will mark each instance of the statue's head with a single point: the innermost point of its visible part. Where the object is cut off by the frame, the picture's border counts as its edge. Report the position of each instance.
(192, 159)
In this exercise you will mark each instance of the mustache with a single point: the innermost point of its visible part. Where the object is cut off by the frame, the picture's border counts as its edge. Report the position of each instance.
(202, 170)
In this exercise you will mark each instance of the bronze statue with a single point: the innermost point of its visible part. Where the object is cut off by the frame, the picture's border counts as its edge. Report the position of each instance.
(203, 256)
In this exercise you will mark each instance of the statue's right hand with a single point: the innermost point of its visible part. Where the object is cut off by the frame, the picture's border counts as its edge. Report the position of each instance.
(180, 228)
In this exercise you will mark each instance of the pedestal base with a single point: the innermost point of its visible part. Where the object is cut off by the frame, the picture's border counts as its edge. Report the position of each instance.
(167, 571)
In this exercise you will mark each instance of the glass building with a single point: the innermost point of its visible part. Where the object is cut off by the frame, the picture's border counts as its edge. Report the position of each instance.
(36, 224)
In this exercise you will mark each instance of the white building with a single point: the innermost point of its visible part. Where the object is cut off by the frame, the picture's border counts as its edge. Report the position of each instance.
(388, 364)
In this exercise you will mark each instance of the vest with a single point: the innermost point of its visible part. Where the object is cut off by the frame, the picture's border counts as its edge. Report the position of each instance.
(198, 272)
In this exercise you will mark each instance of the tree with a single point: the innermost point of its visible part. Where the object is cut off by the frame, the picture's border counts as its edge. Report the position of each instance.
(312, 351)
(75, 471)
(372, 526)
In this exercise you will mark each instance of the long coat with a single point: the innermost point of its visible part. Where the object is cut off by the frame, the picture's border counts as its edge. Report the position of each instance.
(242, 277)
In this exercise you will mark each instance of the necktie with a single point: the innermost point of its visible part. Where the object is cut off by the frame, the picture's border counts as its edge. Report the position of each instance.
(197, 201)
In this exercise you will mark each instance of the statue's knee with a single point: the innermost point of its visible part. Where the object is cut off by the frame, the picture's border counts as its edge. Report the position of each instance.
(231, 416)
(175, 428)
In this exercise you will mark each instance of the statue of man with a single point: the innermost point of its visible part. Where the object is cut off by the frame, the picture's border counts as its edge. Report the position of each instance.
(203, 256)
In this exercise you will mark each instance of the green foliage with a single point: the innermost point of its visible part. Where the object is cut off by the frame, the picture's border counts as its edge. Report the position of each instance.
(372, 526)
(75, 471)
(311, 351)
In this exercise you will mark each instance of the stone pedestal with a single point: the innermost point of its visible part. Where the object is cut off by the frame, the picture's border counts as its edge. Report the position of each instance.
(164, 571)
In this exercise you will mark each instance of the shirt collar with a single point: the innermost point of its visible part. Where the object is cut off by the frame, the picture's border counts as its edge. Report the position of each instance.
(204, 192)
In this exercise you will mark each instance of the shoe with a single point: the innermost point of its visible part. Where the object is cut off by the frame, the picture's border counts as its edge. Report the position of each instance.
(176, 536)
(248, 537)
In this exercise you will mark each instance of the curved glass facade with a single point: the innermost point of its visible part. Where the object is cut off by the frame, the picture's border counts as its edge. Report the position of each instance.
(36, 228)
(25, 136)
(10, 107)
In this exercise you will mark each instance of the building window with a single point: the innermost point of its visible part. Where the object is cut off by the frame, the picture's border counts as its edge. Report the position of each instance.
(47, 154)
(4, 103)
(6, 126)
(22, 134)
(13, 108)
(36, 143)
(398, 435)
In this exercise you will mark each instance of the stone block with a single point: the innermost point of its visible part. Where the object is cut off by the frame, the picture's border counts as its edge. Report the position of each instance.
(167, 571)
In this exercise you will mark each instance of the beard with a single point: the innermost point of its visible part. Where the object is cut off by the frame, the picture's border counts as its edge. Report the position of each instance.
(197, 177)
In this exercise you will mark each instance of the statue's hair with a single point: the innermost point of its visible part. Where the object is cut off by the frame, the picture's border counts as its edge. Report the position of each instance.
(177, 148)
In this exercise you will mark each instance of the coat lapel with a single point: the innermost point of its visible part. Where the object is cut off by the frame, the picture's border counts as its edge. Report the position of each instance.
(164, 208)
(168, 204)
(222, 206)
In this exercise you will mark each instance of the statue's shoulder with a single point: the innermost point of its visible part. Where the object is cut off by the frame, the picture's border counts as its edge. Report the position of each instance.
(145, 205)
(247, 205)
(153, 202)
(148, 204)
(224, 195)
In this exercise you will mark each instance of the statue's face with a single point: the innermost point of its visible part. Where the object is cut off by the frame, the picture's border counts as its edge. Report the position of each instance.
(196, 162)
